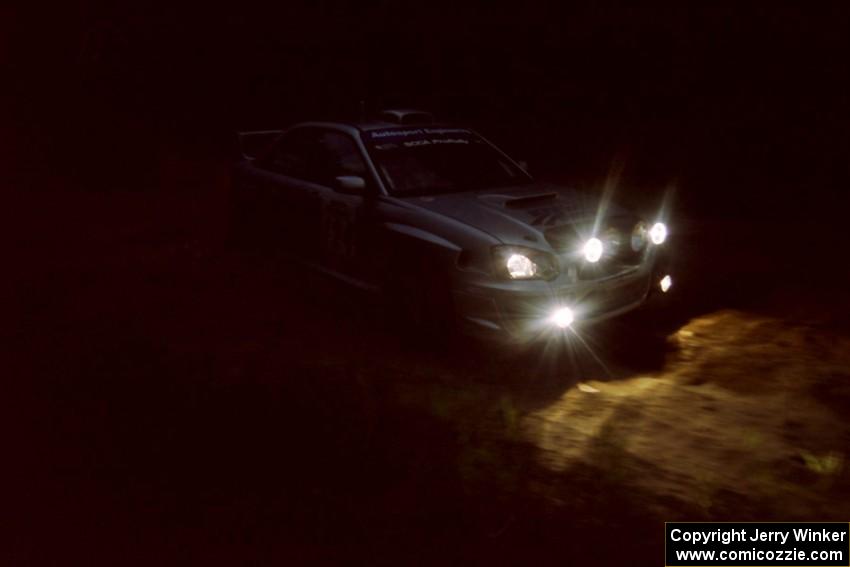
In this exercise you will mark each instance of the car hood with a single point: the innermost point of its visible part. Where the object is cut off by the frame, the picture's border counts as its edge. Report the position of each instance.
(516, 215)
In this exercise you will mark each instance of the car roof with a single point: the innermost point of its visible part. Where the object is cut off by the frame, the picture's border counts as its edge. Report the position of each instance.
(371, 125)
(381, 125)
(391, 118)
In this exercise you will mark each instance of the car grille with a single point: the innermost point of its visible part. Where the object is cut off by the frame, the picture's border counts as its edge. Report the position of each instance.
(605, 269)
(606, 299)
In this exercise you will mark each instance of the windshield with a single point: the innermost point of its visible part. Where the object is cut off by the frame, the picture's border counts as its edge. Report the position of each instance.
(428, 161)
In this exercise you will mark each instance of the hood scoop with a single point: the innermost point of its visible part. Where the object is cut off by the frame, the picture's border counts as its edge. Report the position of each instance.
(528, 200)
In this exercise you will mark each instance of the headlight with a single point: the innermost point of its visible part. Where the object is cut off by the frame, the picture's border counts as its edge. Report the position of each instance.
(592, 250)
(658, 233)
(519, 263)
(521, 266)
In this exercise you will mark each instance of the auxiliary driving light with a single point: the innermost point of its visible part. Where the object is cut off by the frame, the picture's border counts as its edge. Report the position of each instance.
(658, 233)
(592, 250)
(563, 317)
(666, 283)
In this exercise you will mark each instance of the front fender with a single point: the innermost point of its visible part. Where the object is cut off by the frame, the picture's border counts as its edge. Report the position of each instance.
(413, 250)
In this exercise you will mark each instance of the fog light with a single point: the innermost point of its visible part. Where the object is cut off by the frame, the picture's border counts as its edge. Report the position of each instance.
(666, 283)
(563, 317)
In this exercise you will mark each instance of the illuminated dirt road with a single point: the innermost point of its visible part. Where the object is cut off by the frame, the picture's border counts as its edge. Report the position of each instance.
(169, 397)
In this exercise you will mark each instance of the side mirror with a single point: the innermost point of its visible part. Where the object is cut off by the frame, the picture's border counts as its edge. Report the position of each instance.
(350, 184)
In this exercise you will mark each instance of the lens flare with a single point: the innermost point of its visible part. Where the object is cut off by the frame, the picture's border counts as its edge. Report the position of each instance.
(666, 283)
(592, 250)
(563, 317)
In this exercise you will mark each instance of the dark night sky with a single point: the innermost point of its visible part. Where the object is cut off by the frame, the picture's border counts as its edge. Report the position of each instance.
(718, 97)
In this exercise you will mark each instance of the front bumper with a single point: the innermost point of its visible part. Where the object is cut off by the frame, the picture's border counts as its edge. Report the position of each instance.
(522, 311)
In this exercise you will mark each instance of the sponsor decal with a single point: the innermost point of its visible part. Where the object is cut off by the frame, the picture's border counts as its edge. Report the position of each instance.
(400, 134)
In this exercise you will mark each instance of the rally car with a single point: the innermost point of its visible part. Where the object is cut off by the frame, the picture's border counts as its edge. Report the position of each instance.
(444, 225)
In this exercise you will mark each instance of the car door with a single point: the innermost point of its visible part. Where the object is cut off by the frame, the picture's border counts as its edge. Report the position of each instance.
(345, 212)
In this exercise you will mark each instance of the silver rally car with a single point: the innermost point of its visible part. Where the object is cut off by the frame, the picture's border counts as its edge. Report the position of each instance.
(443, 223)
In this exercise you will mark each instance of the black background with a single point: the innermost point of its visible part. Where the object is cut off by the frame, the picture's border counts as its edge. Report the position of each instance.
(742, 107)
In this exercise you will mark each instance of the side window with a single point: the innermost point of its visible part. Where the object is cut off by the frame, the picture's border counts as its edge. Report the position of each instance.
(316, 155)
(337, 154)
